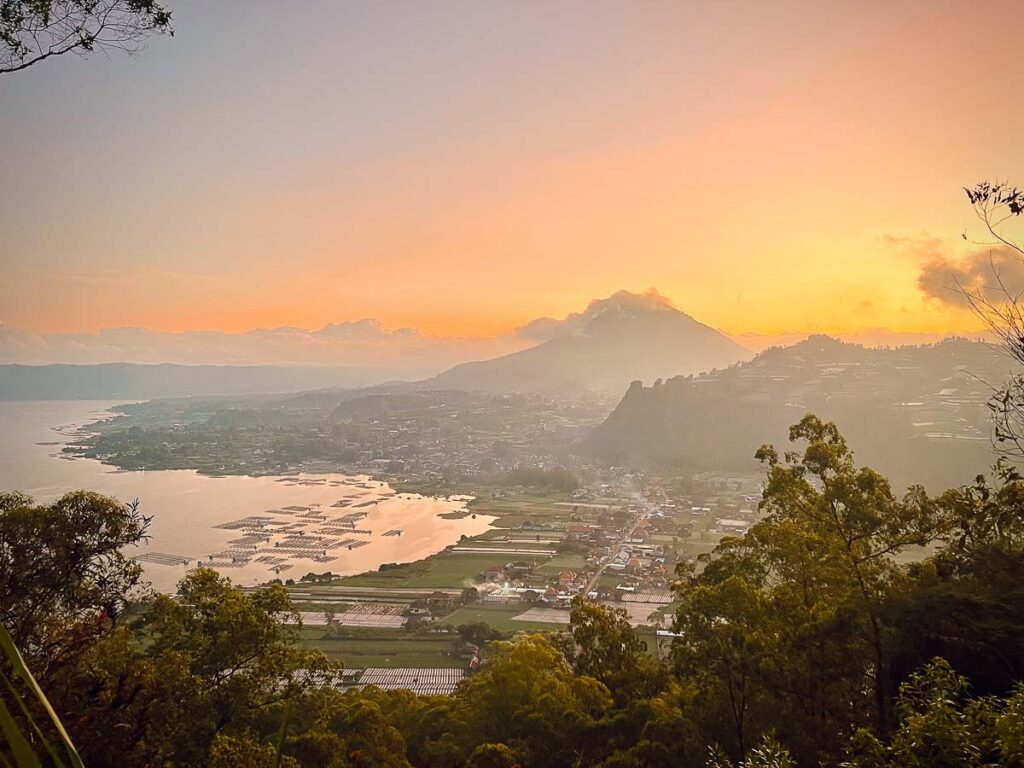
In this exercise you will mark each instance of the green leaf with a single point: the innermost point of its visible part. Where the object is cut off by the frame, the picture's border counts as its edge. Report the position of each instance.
(24, 755)
(14, 658)
(28, 716)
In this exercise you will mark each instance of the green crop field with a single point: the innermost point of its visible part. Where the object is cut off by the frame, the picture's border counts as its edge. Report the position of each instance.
(558, 563)
(387, 650)
(497, 616)
(448, 569)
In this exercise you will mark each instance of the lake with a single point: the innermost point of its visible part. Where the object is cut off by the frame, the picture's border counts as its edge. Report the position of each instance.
(276, 525)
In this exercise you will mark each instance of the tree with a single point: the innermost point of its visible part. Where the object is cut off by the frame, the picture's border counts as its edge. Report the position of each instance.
(606, 648)
(853, 514)
(215, 662)
(655, 732)
(767, 754)
(371, 741)
(478, 632)
(237, 656)
(527, 697)
(941, 725)
(64, 578)
(722, 627)
(491, 756)
(246, 752)
(32, 31)
(792, 615)
(967, 599)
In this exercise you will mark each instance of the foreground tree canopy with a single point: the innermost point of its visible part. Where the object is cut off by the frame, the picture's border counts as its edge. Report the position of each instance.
(851, 625)
(32, 31)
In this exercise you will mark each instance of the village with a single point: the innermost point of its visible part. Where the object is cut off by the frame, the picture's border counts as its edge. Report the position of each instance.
(425, 625)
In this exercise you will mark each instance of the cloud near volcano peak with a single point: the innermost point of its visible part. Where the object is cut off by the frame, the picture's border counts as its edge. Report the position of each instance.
(992, 273)
(545, 328)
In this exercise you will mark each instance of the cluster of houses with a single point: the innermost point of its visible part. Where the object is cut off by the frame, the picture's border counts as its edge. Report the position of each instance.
(509, 584)
(635, 561)
(440, 435)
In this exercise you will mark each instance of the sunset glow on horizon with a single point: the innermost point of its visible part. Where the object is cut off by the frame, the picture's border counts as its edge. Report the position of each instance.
(463, 168)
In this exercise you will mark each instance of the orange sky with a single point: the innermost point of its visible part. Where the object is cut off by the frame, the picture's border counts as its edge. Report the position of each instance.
(465, 169)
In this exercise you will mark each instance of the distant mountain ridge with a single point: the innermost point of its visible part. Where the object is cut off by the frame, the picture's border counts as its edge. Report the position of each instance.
(130, 381)
(617, 340)
(612, 342)
(917, 413)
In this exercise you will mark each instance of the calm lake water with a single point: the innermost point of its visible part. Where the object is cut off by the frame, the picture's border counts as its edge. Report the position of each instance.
(186, 506)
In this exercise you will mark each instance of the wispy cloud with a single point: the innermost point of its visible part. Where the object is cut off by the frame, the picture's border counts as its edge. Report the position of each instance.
(544, 328)
(993, 272)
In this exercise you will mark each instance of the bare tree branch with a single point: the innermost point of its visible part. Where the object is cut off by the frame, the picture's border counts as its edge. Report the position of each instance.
(32, 31)
(995, 204)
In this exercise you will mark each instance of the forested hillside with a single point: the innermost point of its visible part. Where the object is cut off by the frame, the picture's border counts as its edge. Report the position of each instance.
(919, 414)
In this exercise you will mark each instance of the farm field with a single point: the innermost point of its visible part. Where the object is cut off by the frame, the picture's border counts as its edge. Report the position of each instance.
(498, 616)
(569, 561)
(385, 649)
(447, 569)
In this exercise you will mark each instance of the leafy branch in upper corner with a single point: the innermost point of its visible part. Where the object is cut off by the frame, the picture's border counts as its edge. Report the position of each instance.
(32, 31)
